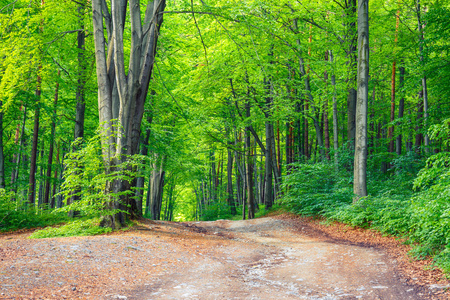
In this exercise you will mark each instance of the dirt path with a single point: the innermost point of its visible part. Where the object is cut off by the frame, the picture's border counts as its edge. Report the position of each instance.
(267, 258)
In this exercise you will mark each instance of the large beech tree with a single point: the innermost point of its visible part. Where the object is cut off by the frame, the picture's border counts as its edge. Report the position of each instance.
(121, 93)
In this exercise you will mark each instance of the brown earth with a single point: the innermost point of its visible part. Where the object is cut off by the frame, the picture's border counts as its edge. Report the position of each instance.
(278, 257)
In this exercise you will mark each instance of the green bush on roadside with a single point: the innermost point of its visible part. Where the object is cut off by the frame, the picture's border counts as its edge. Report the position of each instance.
(16, 215)
(401, 203)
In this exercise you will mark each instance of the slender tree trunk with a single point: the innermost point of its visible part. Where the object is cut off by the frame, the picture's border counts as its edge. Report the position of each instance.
(289, 146)
(16, 154)
(309, 100)
(2, 157)
(33, 156)
(25, 160)
(351, 79)
(156, 189)
(256, 181)
(394, 63)
(59, 200)
(50, 151)
(276, 174)
(401, 108)
(139, 194)
(55, 183)
(326, 131)
(238, 181)
(419, 135)
(360, 163)
(230, 192)
(250, 194)
(335, 115)
(262, 181)
(41, 175)
(15, 162)
(80, 94)
(279, 159)
(392, 118)
(268, 191)
(80, 97)
(424, 78)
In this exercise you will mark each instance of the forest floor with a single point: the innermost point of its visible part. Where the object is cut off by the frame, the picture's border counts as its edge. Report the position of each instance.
(277, 257)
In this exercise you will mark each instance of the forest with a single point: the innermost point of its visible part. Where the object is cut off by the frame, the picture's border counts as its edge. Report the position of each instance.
(112, 110)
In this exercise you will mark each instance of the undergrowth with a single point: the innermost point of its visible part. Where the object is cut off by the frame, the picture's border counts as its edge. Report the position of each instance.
(410, 200)
(82, 227)
(17, 215)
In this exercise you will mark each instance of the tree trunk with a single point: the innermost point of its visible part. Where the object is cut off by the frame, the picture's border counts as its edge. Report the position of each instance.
(351, 79)
(319, 136)
(360, 163)
(80, 97)
(80, 94)
(140, 181)
(279, 158)
(401, 108)
(156, 185)
(392, 118)
(59, 200)
(17, 156)
(250, 194)
(230, 192)
(41, 175)
(424, 78)
(308, 100)
(50, 151)
(419, 135)
(55, 183)
(289, 146)
(326, 131)
(120, 93)
(2, 157)
(268, 191)
(335, 116)
(391, 128)
(33, 156)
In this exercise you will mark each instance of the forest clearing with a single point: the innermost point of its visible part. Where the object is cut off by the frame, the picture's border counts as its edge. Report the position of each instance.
(278, 257)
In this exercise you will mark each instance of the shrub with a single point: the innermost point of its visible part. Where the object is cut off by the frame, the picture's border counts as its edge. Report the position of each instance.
(314, 189)
(16, 215)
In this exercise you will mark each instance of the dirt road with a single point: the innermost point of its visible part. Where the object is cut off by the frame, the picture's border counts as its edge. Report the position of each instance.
(267, 258)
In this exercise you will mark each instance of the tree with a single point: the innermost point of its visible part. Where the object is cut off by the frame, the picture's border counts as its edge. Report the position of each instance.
(121, 94)
(360, 163)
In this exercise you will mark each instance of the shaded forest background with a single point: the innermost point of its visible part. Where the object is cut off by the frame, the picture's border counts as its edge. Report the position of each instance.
(251, 106)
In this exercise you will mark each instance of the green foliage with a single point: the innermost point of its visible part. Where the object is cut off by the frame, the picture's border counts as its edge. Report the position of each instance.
(392, 207)
(430, 208)
(15, 215)
(384, 213)
(313, 189)
(85, 177)
(73, 228)
(217, 211)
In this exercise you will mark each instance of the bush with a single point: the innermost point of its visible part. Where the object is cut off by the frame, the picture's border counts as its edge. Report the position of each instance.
(418, 209)
(16, 215)
(216, 211)
(314, 189)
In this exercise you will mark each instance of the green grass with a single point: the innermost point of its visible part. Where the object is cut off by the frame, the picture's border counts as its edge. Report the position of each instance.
(81, 227)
